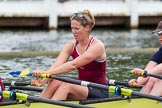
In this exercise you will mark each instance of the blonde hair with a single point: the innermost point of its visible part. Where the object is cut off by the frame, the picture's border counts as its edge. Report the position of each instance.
(85, 18)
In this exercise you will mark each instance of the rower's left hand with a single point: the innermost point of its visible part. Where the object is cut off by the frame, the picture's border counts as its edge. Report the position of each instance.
(132, 82)
(36, 83)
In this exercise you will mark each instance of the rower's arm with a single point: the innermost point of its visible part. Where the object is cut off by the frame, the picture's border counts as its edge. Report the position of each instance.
(64, 55)
(93, 53)
(62, 58)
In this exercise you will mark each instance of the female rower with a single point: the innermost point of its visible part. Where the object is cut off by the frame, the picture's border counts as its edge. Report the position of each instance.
(151, 85)
(89, 58)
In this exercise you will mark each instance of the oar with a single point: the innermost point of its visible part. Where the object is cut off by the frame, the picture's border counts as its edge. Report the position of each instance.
(14, 83)
(23, 86)
(29, 88)
(111, 82)
(25, 97)
(8, 102)
(21, 73)
(145, 74)
(115, 82)
(112, 89)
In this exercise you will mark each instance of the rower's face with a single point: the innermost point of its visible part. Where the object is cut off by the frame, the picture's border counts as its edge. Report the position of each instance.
(158, 34)
(78, 30)
(160, 38)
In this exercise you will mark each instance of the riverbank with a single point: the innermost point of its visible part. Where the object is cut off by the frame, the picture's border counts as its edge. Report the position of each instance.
(55, 53)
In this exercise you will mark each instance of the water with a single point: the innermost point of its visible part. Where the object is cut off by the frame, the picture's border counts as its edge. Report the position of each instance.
(55, 39)
(118, 65)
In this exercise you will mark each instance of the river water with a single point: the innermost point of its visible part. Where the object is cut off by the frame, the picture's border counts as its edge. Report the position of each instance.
(23, 40)
(118, 65)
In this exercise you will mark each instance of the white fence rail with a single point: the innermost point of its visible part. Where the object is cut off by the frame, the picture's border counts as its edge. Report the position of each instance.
(55, 8)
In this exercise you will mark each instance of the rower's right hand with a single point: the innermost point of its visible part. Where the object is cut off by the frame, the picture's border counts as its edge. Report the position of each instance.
(138, 71)
(37, 73)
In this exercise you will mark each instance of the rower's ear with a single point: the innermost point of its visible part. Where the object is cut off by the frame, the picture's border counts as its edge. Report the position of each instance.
(88, 29)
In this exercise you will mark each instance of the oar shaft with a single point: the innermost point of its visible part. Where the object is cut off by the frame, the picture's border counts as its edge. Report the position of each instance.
(111, 89)
(154, 75)
(121, 83)
(78, 82)
(62, 103)
(25, 97)
(30, 88)
(13, 83)
(147, 96)
(91, 101)
(126, 84)
(114, 82)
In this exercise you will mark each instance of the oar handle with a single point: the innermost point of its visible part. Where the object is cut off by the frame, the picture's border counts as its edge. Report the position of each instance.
(140, 73)
(44, 75)
(144, 73)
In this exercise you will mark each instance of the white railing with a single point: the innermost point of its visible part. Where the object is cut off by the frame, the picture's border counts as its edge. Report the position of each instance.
(19, 0)
(55, 8)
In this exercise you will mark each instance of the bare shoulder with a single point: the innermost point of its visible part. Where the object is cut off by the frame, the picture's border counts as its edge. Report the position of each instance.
(68, 47)
(98, 43)
(70, 43)
(97, 50)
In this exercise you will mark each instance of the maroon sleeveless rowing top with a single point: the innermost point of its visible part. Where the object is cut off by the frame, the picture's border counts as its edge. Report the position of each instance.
(95, 71)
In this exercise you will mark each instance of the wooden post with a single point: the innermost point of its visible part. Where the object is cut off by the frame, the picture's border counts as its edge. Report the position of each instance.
(134, 18)
(53, 15)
